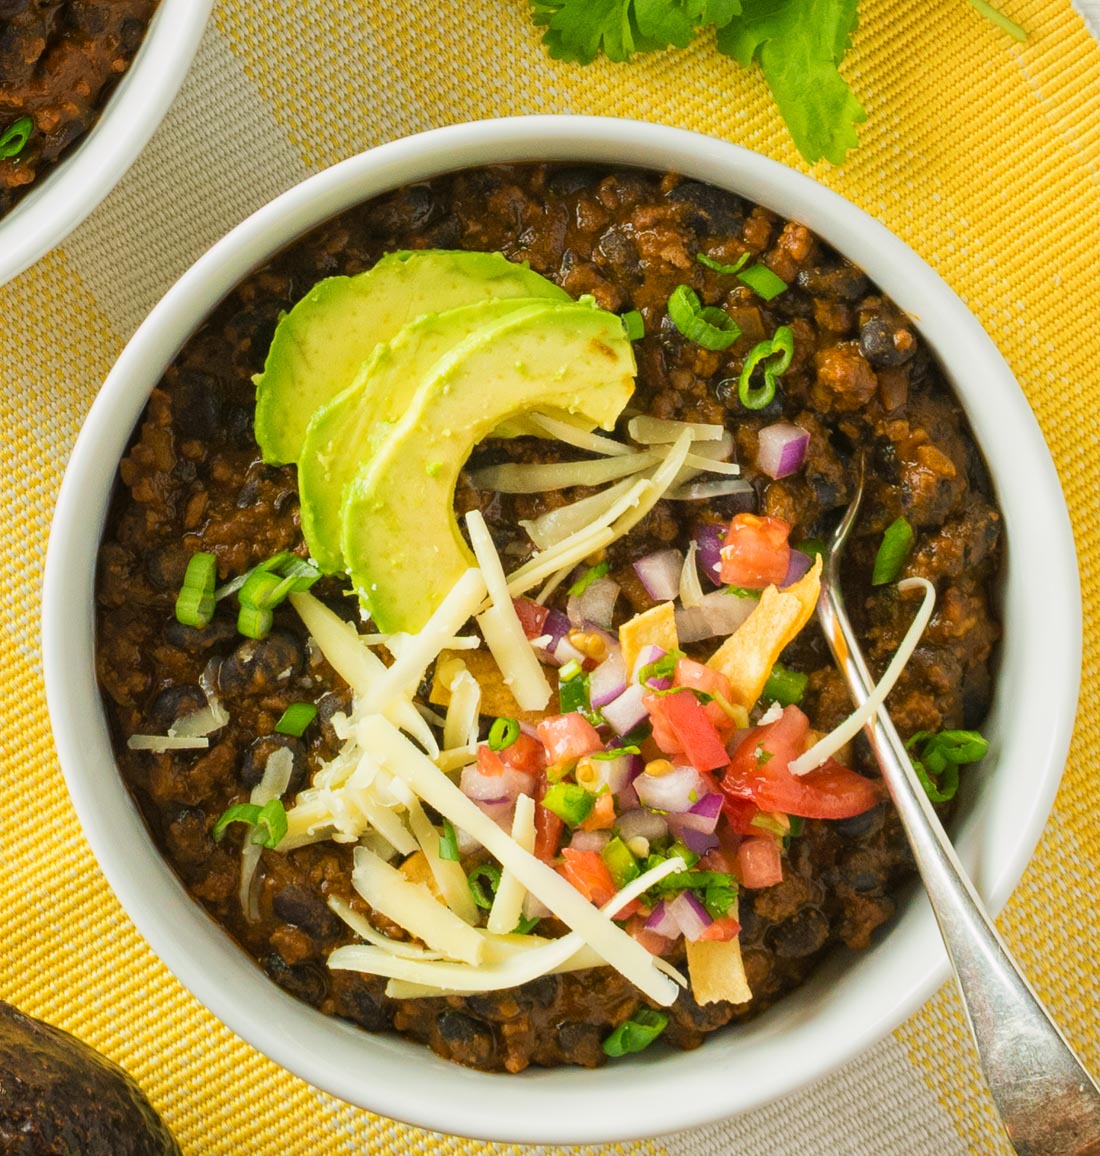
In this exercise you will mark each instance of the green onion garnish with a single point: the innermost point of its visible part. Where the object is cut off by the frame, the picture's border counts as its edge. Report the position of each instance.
(762, 281)
(295, 719)
(664, 667)
(526, 925)
(616, 752)
(784, 686)
(941, 755)
(571, 803)
(636, 1034)
(709, 327)
(195, 603)
(718, 267)
(268, 821)
(503, 733)
(589, 576)
(634, 324)
(254, 622)
(266, 586)
(742, 592)
(483, 894)
(893, 550)
(448, 842)
(776, 354)
(14, 138)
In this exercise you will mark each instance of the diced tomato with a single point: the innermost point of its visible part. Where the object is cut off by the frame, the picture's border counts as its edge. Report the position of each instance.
(568, 737)
(682, 715)
(532, 616)
(548, 829)
(759, 773)
(628, 910)
(696, 676)
(653, 943)
(663, 734)
(489, 762)
(717, 859)
(589, 875)
(602, 815)
(525, 754)
(759, 863)
(756, 552)
(740, 814)
(721, 929)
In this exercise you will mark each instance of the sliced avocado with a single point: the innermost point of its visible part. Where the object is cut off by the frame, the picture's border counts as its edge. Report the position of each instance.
(401, 539)
(320, 345)
(341, 434)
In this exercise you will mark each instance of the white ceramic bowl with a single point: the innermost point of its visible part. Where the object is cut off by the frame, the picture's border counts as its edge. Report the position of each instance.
(67, 192)
(853, 1000)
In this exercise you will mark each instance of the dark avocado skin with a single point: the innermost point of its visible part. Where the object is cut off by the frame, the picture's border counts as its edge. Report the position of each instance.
(59, 1097)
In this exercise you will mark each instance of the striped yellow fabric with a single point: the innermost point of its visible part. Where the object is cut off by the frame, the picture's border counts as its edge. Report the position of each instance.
(983, 154)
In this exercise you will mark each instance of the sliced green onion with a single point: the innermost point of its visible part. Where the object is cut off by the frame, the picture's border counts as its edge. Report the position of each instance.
(664, 667)
(763, 282)
(261, 590)
(571, 803)
(295, 719)
(725, 270)
(636, 1034)
(634, 324)
(448, 842)
(940, 757)
(785, 686)
(616, 752)
(483, 893)
(195, 603)
(589, 576)
(893, 550)
(775, 353)
(238, 813)
(503, 733)
(709, 327)
(742, 592)
(271, 825)
(14, 138)
(254, 622)
(526, 925)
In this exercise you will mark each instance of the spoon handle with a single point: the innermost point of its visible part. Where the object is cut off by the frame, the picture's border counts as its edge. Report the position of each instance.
(1049, 1103)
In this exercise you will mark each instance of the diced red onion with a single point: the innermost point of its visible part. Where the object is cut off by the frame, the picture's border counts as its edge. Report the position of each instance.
(556, 626)
(626, 712)
(495, 788)
(703, 815)
(597, 603)
(718, 615)
(700, 842)
(614, 774)
(663, 922)
(627, 799)
(564, 652)
(799, 564)
(608, 680)
(641, 822)
(708, 537)
(590, 840)
(675, 792)
(781, 449)
(647, 656)
(690, 914)
(660, 574)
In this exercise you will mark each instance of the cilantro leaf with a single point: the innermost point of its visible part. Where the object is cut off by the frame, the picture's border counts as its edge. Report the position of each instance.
(798, 44)
(578, 30)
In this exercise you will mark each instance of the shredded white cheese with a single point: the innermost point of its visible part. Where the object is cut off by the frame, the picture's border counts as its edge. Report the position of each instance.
(448, 874)
(580, 438)
(556, 525)
(691, 589)
(507, 906)
(859, 718)
(362, 927)
(663, 477)
(512, 478)
(160, 743)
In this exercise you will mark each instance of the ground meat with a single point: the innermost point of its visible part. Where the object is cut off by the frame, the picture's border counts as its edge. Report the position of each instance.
(59, 62)
(860, 382)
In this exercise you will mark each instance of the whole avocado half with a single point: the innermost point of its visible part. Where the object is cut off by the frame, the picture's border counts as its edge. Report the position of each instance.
(59, 1097)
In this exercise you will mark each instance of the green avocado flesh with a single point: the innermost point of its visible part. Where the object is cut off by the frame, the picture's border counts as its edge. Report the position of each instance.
(343, 433)
(400, 537)
(321, 344)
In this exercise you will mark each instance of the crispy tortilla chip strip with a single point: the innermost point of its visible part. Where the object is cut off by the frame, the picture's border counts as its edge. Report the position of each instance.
(717, 971)
(747, 656)
(656, 627)
(496, 699)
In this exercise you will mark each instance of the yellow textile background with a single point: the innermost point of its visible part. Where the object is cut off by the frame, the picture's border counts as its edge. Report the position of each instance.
(980, 153)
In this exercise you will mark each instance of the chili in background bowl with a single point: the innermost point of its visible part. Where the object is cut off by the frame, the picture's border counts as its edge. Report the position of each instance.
(851, 1001)
(69, 189)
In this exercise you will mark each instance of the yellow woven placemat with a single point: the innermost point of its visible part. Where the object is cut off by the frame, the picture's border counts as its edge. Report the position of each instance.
(981, 153)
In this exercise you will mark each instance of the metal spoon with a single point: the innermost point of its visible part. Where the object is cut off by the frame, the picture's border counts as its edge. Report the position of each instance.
(1049, 1104)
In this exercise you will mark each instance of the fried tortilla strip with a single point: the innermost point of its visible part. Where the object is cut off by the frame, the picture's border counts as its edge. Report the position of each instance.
(656, 627)
(747, 656)
(717, 971)
(497, 700)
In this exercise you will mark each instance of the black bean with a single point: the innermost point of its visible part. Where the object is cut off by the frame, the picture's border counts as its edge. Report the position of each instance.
(306, 910)
(305, 981)
(716, 210)
(565, 182)
(468, 1041)
(13, 7)
(621, 253)
(752, 926)
(801, 935)
(860, 826)
(355, 1001)
(166, 565)
(254, 763)
(260, 665)
(884, 344)
(173, 703)
(411, 208)
(581, 1042)
(196, 403)
(130, 34)
(842, 283)
(196, 639)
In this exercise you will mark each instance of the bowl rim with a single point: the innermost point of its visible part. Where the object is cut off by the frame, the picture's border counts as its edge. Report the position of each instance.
(849, 1004)
(54, 206)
